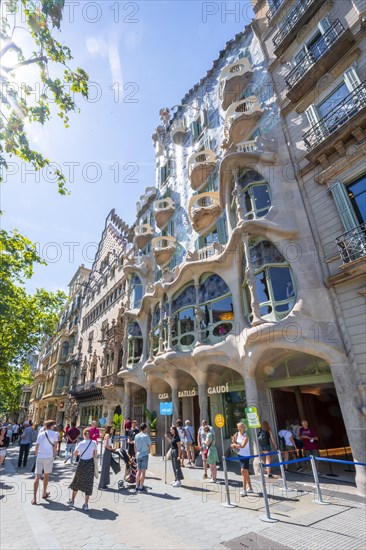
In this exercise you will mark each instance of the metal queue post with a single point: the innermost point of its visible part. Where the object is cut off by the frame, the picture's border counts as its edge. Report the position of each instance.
(220, 423)
(254, 423)
(166, 409)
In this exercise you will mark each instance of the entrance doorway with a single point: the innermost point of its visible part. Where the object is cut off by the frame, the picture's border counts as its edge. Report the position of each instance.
(320, 407)
(302, 388)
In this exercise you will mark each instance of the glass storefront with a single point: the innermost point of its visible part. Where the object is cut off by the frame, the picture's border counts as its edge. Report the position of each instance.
(93, 412)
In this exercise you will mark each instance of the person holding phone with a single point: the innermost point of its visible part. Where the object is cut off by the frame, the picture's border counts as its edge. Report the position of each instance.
(309, 438)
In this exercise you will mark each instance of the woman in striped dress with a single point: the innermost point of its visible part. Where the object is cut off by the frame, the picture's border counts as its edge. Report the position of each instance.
(84, 475)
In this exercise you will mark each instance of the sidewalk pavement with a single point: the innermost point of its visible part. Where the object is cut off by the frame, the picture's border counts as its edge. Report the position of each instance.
(188, 517)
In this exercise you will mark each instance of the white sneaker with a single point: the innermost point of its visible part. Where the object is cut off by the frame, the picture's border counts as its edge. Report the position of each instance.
(177, 484)
(85, 507)
(212, 480)
(243, 494)
(250, 491)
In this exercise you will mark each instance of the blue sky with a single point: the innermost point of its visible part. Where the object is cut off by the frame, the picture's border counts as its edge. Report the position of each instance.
(141, 56)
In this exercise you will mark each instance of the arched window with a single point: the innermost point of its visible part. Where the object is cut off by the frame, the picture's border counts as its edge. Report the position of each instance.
(65, 350)
(255, 198)
(274, 283)
(60, 378)
(136, 292)
(217, 311)
(183, 327)
(135, 343)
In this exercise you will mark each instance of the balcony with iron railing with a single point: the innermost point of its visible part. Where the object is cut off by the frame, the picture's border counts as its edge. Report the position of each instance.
(234, 78)
(163, 211)
(352, 245)
(241, 120)
(203, 210)
(338, 124)
(200, 165)
(274, 8)
(111, 380)
(320, 58)
(296, 18)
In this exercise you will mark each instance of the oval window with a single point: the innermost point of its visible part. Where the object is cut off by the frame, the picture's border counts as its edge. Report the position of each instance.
(222, 329)
(187, 340)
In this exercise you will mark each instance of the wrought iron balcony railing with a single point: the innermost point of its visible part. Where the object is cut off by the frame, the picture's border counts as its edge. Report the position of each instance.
(291, 20)
(352, 245)
(317, 51)
(344, 111)
(275, 6)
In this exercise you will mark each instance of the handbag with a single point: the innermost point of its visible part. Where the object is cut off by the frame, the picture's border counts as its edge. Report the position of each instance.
(82, 454)
(96, 468)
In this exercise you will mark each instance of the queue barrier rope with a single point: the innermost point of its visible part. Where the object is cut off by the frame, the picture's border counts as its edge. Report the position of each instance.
(250, 456)
(305, 459)
(338, 461)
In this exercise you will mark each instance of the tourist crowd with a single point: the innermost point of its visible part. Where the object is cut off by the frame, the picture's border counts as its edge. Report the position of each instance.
(81, 449)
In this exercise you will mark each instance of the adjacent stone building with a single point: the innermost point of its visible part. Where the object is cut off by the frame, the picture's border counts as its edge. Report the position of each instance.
(96, 390)
(315, 52)
(58, 359)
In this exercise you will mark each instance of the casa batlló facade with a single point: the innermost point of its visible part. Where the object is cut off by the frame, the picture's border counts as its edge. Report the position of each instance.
(220, 295)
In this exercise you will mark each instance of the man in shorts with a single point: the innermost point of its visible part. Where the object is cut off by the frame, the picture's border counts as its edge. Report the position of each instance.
(142, 444)
(45, 451)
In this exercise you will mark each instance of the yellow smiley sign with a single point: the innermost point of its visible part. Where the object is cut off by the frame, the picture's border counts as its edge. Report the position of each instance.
(219, 421)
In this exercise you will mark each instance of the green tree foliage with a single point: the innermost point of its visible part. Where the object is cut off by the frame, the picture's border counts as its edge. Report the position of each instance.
(25, 318)
(11, 386)
(59, 83)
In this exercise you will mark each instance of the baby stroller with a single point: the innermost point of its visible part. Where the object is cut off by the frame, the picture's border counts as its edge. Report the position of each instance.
(130, 471)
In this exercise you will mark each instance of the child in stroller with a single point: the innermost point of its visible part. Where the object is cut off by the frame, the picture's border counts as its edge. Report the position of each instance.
(130, 469)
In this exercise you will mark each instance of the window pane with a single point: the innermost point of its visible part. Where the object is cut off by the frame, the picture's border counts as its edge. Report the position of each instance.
(261, 196)
(186, 320)
(281, 282)
(333, 100)
(357, 194)
(301, 366)
(261, 287)
(247, 203)
(211, 238)
(222, 310)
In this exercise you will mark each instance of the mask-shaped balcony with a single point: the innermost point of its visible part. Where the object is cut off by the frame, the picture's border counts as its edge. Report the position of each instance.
(143, 234)
(163, 211)
(200, 166)
(234, 79)
(204, 209)
(241, 120)
(178, 132)
(164, 248)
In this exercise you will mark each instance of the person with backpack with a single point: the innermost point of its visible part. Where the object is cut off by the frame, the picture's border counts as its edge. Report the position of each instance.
(287, 446)
(265, 438)
(183, 441)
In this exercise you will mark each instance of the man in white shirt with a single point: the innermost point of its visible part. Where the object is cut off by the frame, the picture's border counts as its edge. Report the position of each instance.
(45, 451)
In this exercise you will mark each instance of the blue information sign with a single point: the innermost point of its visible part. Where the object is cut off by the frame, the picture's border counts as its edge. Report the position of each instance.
(166, 408)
